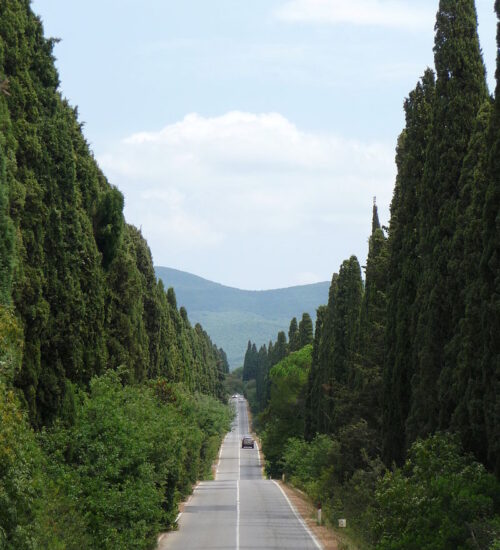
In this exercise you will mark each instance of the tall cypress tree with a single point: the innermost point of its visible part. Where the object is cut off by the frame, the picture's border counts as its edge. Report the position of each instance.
(323, 358)
(346, 314)
(366, 380)
(490, 280)
(466, 384)
(305, 331)
(404, 268)
(247, 362)
(338, 344)
(293, 336)
(460, 92)
(261, 378)
(314, 394)
(280, 349)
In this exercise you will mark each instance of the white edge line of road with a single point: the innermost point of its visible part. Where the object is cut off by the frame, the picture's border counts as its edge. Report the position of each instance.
(237, 515)
(220, 452)
(187, 502)
(160, 538)
(297, 515)
(238, 490)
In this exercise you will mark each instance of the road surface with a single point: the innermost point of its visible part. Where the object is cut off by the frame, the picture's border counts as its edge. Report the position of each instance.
(239, 509)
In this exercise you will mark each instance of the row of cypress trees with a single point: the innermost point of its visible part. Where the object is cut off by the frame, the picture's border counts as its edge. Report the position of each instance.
(417, 350)
(345, 378)
(258, 363)
(78, 279)
(443, 353)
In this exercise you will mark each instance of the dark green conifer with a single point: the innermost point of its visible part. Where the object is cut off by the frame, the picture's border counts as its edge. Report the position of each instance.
(366, 382)
(293, 335)
(337, 346)
(465, 385)
(184, 315)
(280, 348)
(261, 378)
(375, 219)
(172, 300)
(346, 314)
(305, 331)
(247, 362)
(250, 363)
(404, 268)
(490, 280)
(322, 356)
(314, 394)
(83, 286)
(460, 92)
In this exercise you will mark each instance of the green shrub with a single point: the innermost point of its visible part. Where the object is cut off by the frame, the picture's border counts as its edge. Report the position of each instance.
(440, 499)
(20, 470)
(284, 418)
(132, 453)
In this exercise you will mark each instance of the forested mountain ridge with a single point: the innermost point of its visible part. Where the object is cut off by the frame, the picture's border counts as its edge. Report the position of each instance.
(110, 400)
(231, 316)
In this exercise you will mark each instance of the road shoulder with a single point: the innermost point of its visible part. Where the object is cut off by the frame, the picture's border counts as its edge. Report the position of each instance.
(307, 511)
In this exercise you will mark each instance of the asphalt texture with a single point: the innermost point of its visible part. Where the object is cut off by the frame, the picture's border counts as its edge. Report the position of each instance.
(239, 510)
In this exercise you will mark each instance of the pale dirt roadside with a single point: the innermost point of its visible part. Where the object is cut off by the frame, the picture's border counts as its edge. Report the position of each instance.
(306, 509)
(301, 502)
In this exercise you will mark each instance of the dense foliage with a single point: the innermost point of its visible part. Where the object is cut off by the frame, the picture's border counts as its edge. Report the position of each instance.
(81, 280)
(94, 354)
(114, 477)
(285, 416)
(405, 367)
(442, 365)
(439, 499)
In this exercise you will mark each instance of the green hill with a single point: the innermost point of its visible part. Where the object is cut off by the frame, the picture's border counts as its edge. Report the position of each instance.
(232, 316)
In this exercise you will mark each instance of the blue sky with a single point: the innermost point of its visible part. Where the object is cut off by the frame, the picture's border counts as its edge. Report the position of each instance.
(248, 137)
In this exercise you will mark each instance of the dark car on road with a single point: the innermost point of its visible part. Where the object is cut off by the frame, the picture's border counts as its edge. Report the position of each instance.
(247, 441)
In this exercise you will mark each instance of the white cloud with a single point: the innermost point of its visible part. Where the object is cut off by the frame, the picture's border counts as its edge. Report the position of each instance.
(239, 183)
(384, 13)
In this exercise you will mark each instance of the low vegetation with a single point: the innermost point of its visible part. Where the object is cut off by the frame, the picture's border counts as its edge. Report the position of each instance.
(112, 476)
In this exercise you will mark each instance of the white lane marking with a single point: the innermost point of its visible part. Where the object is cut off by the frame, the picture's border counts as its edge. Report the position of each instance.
(239, 452)
(238, 488)
(237, 515)
(299, 518)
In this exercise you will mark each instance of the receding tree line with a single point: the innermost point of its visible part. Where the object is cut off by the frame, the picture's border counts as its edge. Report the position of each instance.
(108, 395)
(412, 353)
(79, 279)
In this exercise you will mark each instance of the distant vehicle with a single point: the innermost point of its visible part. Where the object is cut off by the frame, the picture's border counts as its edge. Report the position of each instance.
(247, 441)
(235, 396)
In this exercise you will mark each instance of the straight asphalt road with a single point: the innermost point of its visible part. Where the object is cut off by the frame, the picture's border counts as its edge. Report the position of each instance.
(239, 510)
